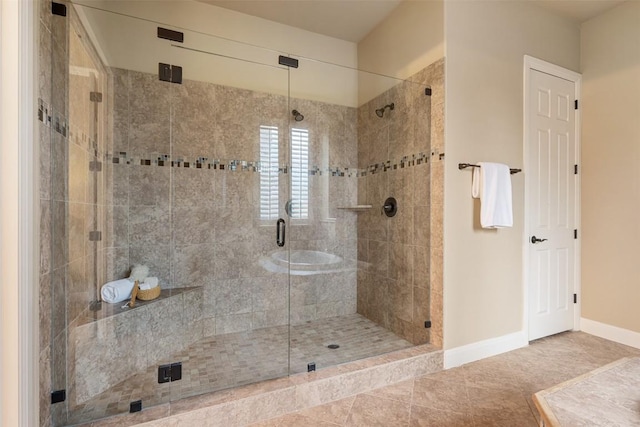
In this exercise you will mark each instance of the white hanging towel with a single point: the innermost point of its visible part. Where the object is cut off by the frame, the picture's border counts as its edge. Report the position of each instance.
(492, 184)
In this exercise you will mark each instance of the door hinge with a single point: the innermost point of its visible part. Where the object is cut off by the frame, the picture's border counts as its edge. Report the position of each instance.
(135, 406)
(59, 9)
(575, 298)
(427, 91)
(174, 36)
(288, 62)
(95, 97)
(58, 396)
(575, 233)
(172, 372)
(576, 104)
(427, 324)
(95, 236)
(170, 73)
(575, 169)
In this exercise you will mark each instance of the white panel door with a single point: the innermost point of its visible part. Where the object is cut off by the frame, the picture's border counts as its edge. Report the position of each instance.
(552, 215)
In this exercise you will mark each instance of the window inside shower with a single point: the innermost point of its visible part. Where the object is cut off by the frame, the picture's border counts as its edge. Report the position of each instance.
(269, 186)
(182, 156)
(299, 173)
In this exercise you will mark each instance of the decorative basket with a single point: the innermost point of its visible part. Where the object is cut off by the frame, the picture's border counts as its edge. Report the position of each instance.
(148, 294)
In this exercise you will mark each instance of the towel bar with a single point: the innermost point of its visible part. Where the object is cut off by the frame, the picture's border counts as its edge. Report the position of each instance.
(469, 165)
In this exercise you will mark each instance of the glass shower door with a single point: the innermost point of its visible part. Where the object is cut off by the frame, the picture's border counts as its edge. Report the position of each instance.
(358, 282)
(228, 153)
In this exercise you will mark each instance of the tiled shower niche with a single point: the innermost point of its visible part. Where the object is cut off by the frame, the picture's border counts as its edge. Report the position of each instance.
(189, 179)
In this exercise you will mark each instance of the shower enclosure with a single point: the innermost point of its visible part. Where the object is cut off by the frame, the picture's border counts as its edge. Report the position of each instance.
(251, 183)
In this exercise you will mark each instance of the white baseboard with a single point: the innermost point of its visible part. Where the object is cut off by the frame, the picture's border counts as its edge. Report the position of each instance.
(610, 332)
(483, 349)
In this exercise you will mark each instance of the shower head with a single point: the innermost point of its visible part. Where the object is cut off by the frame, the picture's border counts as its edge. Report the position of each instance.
(380, 111)
(297, 116)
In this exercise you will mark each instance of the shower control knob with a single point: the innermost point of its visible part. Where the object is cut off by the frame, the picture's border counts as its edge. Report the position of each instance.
(390, 207)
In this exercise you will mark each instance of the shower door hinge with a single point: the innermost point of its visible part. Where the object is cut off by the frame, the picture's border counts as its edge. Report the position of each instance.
(135, 406)
(172, 372)
(58, 396)
(170, 73)
(95, 236)
(427, 91)
(288, 62)
(95, 96)
(174, 36)
(59, 9)
(95, 166)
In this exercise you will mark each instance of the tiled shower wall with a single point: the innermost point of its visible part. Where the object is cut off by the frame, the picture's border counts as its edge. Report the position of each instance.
(186, 191)
(396, 254)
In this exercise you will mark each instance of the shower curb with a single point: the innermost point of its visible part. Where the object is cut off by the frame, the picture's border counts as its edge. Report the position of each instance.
(270, 399)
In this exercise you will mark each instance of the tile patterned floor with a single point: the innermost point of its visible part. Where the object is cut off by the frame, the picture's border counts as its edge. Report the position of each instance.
(492, 392)
(230, 360)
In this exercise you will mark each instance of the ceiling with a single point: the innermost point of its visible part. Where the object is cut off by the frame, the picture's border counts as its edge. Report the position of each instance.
(579, 10)
(352, 20)
(349, 20)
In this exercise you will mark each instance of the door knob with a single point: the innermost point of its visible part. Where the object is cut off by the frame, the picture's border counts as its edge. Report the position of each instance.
(535, 240)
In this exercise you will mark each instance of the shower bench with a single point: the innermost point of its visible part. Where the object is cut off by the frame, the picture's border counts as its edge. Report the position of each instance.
(109, 344)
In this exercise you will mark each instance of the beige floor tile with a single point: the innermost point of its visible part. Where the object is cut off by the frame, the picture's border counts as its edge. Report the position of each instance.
(402, 391)
(294, 420)
(429, 417)
(439, 394)
(373, 411)
(504, 419)
(334, 412)
(450, 375)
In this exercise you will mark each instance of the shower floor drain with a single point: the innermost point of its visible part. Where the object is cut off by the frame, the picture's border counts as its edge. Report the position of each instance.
(333, 346)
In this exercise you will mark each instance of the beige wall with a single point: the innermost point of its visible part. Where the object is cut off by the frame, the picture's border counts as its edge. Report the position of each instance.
(485, 45)
(407, 41)
(610, 63)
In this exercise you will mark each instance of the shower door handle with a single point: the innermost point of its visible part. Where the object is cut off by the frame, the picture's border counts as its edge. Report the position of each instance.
(280, 232)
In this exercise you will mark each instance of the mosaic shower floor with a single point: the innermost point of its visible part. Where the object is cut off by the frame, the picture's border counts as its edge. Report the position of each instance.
(230, 360)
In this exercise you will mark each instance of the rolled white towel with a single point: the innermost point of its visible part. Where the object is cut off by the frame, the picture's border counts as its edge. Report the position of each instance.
(149, 283)
(116, 291)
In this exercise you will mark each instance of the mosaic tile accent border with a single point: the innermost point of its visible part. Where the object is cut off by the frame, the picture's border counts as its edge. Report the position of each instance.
(52, 119)
(123, 158)
(44, 112)
(61, 125)
(83, 140)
